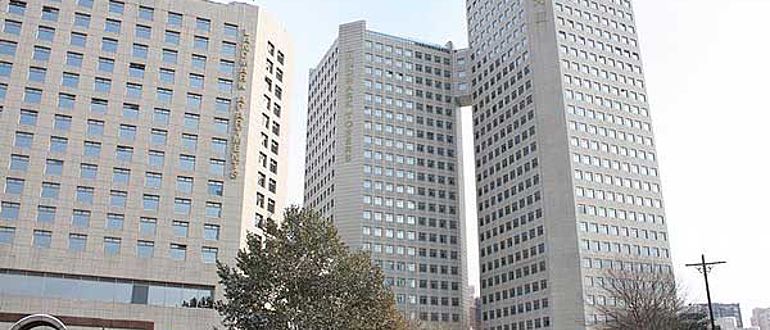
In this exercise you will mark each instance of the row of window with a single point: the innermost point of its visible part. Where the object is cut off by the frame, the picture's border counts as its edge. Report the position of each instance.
(55, 167)
(112, 245)
(400, 51)
(617, 181)
(617, 197)
(85, 195)
(390, 266)
(612, 213)
(104, 289)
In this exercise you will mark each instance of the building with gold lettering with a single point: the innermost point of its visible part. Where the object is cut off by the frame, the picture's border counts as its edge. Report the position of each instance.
(141, 140)
(383, 163)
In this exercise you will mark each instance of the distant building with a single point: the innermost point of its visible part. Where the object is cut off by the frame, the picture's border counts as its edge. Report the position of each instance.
(727, 323)
(474, 314)
(723, 311)
(761, 318)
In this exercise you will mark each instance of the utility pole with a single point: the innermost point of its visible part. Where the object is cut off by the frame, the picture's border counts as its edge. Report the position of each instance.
(705, 267)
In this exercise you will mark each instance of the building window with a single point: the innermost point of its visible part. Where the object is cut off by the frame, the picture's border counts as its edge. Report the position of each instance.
(78, 39)
(46, 214)
(40, 53)
(201, 43)
(150, 202)
(121, 176)
(14, 186)
(23, 140)
(7, 234)
(116, 7)
(92, 149)
(54, 167)
(130, 111)
(50, 190)
(41, 239)
(33, 95)
(174, 19)
(211, 232)
(7, 48)
(182, 206)
(178, 252)
(81, 218)
(194, 101)
(106, 64)
(118, 198)
(209, 255)
(142, 31)
(84, 195)
(58, 144)
(112, 26)
(146, 13)
(184, 184)
(74, 59)
(153, 180)
(115, 221)
(203, 24)
(145, 249)
(124, 153)
(196, 80)
(164, 95)
(109, 45)
(172, 37)
(139, 51)
(228, 49)
(158, 136)
(231, 30)
(191, 121)
(136, 70)
(28, 117)
(78, 242)
(70, 79)
(217, 166)
(169, 56)
(66, 101)
(17, 7)
(147, 226)
(9, 210)
(95, 127)
(213, 210)
(102, 84)
(187, 162)
(161, 116)
(199, 62)
(166, 75)
(88, 171)
(45, 33)
(19, 163)
(215, 188)
(219, 146)
(36, 74)
(82, 20)
(156, 158)
(12, 27)
(180, 228)
(5, 69)
(112, 245)
(98, 106)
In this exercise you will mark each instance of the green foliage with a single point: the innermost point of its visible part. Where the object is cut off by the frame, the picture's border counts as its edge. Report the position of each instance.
(303, 277)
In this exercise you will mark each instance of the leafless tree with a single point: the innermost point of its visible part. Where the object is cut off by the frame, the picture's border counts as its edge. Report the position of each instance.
(646, 301)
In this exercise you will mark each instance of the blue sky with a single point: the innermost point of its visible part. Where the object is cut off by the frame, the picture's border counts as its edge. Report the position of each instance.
(706, 69)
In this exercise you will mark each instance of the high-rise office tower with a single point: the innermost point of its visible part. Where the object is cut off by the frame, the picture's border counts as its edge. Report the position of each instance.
(140, 141)
(566, 169)
(382, 162)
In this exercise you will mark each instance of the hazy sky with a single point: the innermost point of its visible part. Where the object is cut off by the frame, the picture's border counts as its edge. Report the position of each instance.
(707, 64)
